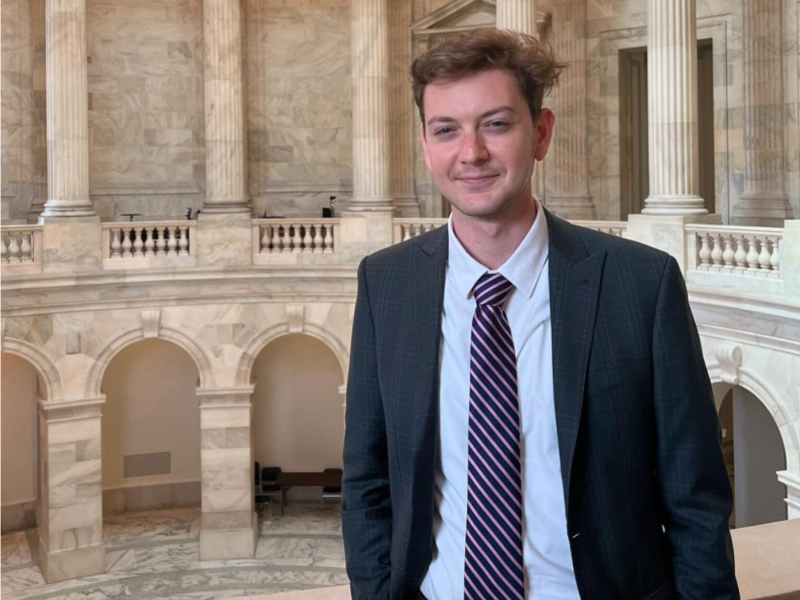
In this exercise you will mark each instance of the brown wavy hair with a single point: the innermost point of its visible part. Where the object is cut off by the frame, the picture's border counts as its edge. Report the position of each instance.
(534, 66)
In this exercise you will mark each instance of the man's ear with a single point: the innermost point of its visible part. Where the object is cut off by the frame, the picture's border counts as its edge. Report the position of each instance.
(545, 125)
(424, 139)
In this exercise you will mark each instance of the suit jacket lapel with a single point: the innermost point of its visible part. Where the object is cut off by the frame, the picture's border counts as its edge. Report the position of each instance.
(575, 277)
(428, 271)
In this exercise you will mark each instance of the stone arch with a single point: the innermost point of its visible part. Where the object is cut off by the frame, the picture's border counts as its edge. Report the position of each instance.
(245, 369)
(769, 399)
(169, 334)
(42, 363)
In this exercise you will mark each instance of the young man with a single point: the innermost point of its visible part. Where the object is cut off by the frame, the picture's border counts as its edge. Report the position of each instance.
(528, 410)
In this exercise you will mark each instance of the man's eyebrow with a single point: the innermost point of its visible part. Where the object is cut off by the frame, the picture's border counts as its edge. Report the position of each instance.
(489, 113)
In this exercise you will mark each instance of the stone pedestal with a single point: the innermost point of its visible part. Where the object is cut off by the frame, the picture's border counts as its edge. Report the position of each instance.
(666, 232)
(67, 110)
(229, 524)
(672, 109)
(764, 201)
(224, 239)
(370, 54)
(364, 232)
(71, 244)
(226, 185)
(71, 493)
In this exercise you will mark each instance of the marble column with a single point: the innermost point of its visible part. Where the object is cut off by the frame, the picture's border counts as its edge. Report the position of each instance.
(402, 122)
(517, 15)
(67, 110)
(672, 109)
(229, 524)
(370, 68)
(568, 195)
(39, 111)
(764, 201)
(71, 492)
(226, 182)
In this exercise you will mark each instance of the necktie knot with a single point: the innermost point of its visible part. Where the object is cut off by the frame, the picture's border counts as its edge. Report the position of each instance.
(492, 289)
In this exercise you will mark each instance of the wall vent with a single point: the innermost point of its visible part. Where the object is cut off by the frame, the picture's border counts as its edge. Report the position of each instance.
(142, 465)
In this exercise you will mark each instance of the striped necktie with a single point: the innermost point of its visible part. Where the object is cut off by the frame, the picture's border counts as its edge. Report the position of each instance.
(493, 562)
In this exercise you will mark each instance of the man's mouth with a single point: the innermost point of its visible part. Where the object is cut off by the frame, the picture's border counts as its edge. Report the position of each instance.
(476, 179)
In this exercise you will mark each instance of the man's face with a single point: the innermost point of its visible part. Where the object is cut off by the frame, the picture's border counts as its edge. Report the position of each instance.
(480, 142)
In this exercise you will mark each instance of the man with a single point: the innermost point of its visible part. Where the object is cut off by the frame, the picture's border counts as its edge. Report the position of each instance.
(528, 410)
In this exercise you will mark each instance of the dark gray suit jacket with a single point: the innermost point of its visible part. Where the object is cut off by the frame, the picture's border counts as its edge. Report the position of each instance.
(647, 494)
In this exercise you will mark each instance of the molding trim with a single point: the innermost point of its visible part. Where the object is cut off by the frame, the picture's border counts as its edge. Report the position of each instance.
(729, 358)
(295, 316)
(151, 322)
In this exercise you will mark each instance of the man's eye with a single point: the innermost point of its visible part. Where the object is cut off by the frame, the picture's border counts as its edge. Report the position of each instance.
(442, 131)
(496, 124)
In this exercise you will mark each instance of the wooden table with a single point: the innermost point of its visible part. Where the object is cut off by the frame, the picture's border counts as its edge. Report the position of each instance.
(288, 479)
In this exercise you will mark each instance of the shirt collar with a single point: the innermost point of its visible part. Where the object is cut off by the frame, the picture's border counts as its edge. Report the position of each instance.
(523, 268)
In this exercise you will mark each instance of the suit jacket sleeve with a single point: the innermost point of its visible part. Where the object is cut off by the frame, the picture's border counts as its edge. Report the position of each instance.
(694, 483)
(366, 500)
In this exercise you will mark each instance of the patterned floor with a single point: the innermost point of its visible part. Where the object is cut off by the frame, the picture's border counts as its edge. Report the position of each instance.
(156, 555)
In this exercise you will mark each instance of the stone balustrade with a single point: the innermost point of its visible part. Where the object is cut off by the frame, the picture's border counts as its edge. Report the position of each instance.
(294, 236)
(405, 229)
(615, 228)
(149, 243)
(21, 249)
(749, 251)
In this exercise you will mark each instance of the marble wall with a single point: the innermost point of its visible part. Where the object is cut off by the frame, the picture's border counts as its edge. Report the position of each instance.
(16, 117)
(298, 99)
(146, 150)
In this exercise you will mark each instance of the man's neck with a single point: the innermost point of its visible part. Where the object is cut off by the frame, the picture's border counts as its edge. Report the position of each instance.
(492, 241)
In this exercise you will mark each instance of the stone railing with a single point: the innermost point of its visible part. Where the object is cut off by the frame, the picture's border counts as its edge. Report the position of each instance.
(616, 228)
(21, 248)
(294, 236)
(149, 244)
(749, 251)
(405, 229)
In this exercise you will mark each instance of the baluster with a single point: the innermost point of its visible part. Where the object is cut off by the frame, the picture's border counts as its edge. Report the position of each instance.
(406, 232)
(728, 255)
(126, 242)
(308, 239)
(329, 238)
(116, 244)
(741, 254)
(276, 239)
(764, 255)
(172, 242)
(318, 238)
(138, 242)
(297, 240)
(25, 248)
(264, 239)
(752, 255)
(775, 258)
(3, 250)
(705, 252)
(183, 241)
(161, 242)
(716, 252)
(149, 244)
(13, 248)
(286, 238)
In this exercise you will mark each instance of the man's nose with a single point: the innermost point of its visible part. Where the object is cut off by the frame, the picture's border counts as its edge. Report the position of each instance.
(473, 148)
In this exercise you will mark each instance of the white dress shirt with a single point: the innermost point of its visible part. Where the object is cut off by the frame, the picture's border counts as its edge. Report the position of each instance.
(549, 572)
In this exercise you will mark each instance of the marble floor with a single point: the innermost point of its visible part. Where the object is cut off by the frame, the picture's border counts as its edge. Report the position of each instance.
(156, 555)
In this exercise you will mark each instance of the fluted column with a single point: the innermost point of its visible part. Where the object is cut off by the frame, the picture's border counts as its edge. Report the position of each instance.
(226, 185)
(517, 15)
(39, 111)
(568, 194)
(67, 110)
(764, 201)
(672, 109)
(401, 121)
(371, 190)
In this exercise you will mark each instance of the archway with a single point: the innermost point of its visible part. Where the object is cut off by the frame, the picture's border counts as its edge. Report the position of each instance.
(150, 428)
(298, 421)
(754, 453)
(22, 388)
